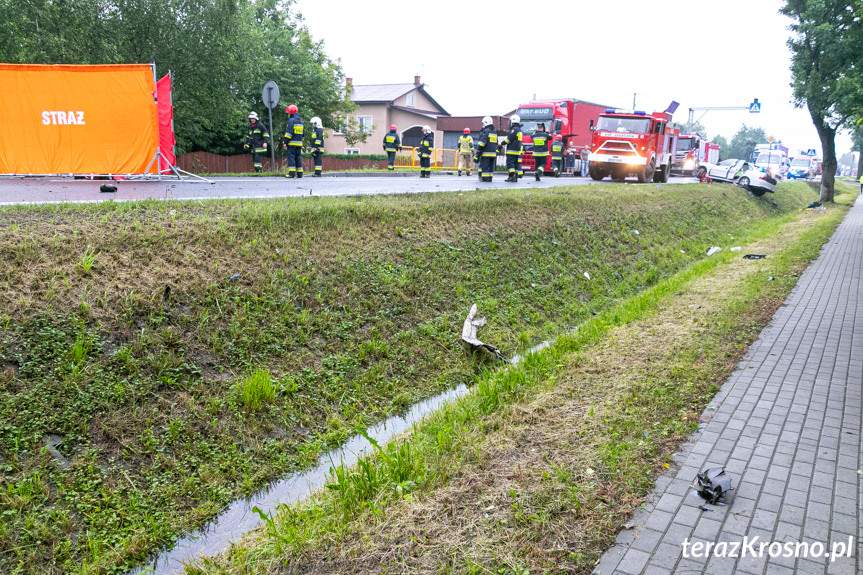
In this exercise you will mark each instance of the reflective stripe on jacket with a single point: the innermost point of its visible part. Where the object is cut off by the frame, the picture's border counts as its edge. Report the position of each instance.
(513, 140)
(392, 142)
(426, 145)
(294, 131)
(540, 143)
(487, 145)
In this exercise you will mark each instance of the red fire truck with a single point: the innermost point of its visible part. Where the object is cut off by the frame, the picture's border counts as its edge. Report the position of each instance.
(633, 144)
(692, 151)
(569, 118)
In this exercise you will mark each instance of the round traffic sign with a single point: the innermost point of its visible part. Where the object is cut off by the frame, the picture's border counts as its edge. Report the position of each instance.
(270, 95)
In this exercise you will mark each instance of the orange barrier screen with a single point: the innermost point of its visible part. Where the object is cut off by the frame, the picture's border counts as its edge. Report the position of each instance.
(77, 119)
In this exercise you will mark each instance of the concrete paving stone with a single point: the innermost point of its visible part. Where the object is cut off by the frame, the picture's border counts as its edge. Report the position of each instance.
(821, 494)
(633, 562)
(818, 511)
(691, 566)
(764, 519)
(848, 461)
(609, 561)
(708, 529)
(845, 489)
(843, 523)
(747, 489)
(799, 482)
(822, 479)
(737, 524)
(842, 567)
(803, 468)
(793, 513)
(775, 568)
(689, 514)
(778, 471)
(809, 567)
(774, 487)
(624, 538)
(653, 569)
(759, 462)
(770, 502)
(846, 475)
(736, 466)
(751, 432)
(788, 531)
(669, 502)
(667, 555)
(783, 459)
(659, 520)
(647, 540)
(676, 534)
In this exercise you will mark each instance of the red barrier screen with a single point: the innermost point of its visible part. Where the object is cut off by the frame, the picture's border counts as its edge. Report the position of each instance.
(77, 119)
(166, 120)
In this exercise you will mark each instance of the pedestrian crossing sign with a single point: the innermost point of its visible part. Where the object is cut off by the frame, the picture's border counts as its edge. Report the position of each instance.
(755, 107)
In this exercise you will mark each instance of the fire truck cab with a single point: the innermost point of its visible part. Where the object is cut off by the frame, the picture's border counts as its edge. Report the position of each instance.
(633, 144)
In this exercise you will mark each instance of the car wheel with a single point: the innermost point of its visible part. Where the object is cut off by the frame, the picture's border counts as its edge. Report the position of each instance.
(758, 192)
(743, 182)
(699, 173)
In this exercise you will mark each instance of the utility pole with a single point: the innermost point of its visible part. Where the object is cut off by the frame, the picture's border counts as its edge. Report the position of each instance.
(634, 94)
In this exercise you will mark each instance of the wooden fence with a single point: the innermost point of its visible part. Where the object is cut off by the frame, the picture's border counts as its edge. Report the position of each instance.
(207, 163)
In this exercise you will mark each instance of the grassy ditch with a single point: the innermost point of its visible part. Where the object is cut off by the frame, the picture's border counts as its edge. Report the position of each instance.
(158, 360)
(538, 469)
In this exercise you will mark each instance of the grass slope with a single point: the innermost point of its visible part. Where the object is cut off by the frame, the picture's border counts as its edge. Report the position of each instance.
(158, 360)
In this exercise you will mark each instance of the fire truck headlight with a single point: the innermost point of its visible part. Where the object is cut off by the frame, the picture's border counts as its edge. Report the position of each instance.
(688, 165)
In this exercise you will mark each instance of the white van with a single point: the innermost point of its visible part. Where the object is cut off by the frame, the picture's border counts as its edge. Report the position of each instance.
(774, 162)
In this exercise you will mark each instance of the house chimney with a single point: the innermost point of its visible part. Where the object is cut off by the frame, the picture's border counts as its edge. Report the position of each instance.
(416, 80)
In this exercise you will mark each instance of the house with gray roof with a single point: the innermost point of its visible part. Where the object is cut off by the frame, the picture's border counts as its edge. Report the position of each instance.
(407, 106)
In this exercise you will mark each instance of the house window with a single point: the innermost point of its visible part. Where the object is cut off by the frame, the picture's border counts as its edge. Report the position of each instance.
(352, 151)
(365, 124)
(409, 99)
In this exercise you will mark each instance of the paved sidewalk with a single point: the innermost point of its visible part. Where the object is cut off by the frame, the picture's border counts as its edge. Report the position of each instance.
(786, 426)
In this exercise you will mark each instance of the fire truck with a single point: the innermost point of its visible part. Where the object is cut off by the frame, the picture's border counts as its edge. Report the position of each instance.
(633, 143)
(569, 118)
(692, 151)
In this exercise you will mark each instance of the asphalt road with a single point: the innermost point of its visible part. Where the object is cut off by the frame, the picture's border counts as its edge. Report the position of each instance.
(48, 190)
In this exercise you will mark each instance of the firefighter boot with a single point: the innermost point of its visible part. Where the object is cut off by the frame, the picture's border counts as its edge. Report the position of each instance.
(317, 172)
(536, 175)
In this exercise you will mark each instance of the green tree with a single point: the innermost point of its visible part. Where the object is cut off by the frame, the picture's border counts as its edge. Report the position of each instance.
(825, 56)
(723, 147)
(744, 141)
(857, 146)
(221, 52)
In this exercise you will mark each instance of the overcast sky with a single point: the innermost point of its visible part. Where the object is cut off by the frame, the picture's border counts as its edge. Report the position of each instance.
(481, 57)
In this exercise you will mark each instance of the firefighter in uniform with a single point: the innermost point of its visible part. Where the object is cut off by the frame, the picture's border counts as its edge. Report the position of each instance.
(486, 150)
(392, 144)
(557, 155)
(317, 144)
(293, 141)
(465, 151)
(513, 148)
(540, 149)
(425, 151)
(257, 140)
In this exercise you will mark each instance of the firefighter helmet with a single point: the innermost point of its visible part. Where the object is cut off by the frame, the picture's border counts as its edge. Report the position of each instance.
(467, 130)
(291, 109)
(487, 121)
(316, 122)
(515, 119)
(253, 115)
(558, 137)
(393, 128)
(426, 128)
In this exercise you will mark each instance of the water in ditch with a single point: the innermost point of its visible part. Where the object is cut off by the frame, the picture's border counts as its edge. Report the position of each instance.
(239, 519)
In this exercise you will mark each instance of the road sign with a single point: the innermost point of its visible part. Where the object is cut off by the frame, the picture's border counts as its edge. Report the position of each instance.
(270, 95)
(771, 139)
(810, 152)
(755, 106)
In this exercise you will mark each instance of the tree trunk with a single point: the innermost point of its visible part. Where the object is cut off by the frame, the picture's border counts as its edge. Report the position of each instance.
(827, 135)
(860, 164)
